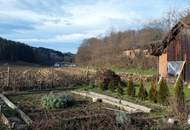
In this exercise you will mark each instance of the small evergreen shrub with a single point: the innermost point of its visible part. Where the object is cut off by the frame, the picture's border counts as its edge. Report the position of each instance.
(153, 93)
(111, 86)
(92, 85)
(131, 88)
(142, 94)
(52, 101)
(163, 92)
(102, 86)
(120, 90)
(179, 93)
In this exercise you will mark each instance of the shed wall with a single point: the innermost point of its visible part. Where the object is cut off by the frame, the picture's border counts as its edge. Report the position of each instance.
(163, 65)
(179, 50)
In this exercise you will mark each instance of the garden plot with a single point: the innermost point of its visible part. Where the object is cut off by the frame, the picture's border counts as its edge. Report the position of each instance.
(81, 112)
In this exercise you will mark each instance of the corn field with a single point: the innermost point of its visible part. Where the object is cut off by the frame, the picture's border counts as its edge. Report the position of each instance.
(33, 78)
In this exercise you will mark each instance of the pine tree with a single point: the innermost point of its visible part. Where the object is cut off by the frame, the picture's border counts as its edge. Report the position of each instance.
(179, 93)
(130, 88)
(142, 94)
(153, 93)
(163, 92)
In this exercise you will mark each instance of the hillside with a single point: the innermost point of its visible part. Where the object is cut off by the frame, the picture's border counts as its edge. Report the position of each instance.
(11, 51)
(108, 50)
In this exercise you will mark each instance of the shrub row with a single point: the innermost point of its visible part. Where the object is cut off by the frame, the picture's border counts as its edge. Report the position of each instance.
(108, 80)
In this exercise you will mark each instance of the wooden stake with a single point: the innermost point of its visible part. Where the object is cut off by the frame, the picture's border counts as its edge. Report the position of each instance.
(180, 72)
(8, 76)
(14, 107)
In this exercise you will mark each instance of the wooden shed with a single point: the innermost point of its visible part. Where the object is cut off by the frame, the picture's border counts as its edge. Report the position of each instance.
(174, 50)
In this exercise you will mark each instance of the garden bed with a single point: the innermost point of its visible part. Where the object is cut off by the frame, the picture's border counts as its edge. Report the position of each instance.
(82, 111)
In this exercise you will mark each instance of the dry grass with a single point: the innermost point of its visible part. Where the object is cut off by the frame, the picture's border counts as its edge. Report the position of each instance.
(31, 78)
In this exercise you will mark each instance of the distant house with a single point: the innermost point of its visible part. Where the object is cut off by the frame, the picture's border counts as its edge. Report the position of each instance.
(132, 53)
(129, 53)
(64, 64)
(146, 53)
(174, 52)
(57, 64)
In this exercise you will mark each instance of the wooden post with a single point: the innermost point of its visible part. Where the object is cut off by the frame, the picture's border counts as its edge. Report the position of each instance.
(8, 76)
(14, 107)
(87, 72)
(160, 79)
(180, 72)
(52, 77)
(157, 78)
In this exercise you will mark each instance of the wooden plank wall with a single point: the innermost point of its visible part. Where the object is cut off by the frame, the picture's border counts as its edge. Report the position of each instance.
(163, 65)
(179, 50)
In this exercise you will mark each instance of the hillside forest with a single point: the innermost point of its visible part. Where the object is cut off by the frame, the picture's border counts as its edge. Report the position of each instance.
(108, 51)
(12, 52)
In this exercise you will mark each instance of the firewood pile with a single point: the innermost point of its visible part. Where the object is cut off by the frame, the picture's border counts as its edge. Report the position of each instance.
(135, 77)
(105, 77)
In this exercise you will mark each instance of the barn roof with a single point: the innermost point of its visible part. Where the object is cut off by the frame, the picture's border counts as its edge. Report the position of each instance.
(158, 47)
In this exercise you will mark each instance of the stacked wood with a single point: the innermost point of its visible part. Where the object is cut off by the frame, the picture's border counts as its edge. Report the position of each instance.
(135, 77)
(107, 77)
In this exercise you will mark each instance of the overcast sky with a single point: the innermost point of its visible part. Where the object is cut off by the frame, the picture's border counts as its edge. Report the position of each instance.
(63, 24)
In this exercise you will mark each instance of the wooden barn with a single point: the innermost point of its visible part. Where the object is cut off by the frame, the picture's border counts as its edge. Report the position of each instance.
(174, 52)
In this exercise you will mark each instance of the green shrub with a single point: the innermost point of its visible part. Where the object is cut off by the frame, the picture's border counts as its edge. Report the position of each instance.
(131, 88)
(163, 92)
(111, 86)
(3, 127)
(142, 94)
(153, 93)
(179, 93)
(52, 101)
(88, 86)
(120, 90)
(102, 86)
(92, 85)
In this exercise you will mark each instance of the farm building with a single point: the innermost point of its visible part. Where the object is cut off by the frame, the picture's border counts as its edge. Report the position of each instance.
(132, 53)
(174, 52)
